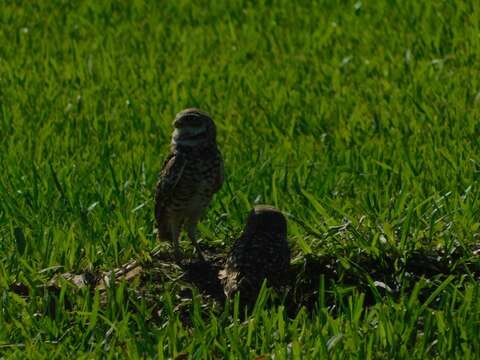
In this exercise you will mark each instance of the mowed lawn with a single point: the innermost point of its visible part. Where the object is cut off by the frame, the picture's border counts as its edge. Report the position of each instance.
(360, 119)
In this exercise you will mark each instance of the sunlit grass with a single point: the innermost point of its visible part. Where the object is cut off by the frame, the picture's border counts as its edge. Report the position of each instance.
(354, 112)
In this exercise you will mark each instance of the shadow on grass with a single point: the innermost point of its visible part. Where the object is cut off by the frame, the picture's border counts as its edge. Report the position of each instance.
(310, 279)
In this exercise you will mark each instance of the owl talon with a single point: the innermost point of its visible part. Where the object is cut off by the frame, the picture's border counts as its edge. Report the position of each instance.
(178, 256)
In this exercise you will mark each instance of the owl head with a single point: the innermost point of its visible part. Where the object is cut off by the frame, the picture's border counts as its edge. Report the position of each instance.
(266, 219)
(193, 128)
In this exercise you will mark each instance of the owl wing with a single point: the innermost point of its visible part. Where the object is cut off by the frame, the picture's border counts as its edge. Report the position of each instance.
(170, 175)
(234, 275)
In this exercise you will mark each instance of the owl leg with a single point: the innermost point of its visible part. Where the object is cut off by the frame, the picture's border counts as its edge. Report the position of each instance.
(192, 234)
(175, 231)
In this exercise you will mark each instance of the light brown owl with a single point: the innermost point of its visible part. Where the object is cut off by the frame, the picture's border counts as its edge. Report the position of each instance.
(191, 175)
(261, 252)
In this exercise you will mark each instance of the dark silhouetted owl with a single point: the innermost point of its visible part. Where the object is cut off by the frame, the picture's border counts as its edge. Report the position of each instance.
(261, 252)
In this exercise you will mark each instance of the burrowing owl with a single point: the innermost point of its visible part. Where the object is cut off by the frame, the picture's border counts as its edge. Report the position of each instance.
(261, 252)
(191, 174)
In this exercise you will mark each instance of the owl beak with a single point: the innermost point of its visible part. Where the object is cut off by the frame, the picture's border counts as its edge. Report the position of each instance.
(188, 136)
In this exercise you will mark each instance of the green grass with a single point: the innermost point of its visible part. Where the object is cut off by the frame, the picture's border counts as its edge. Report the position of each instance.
(334, 111)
